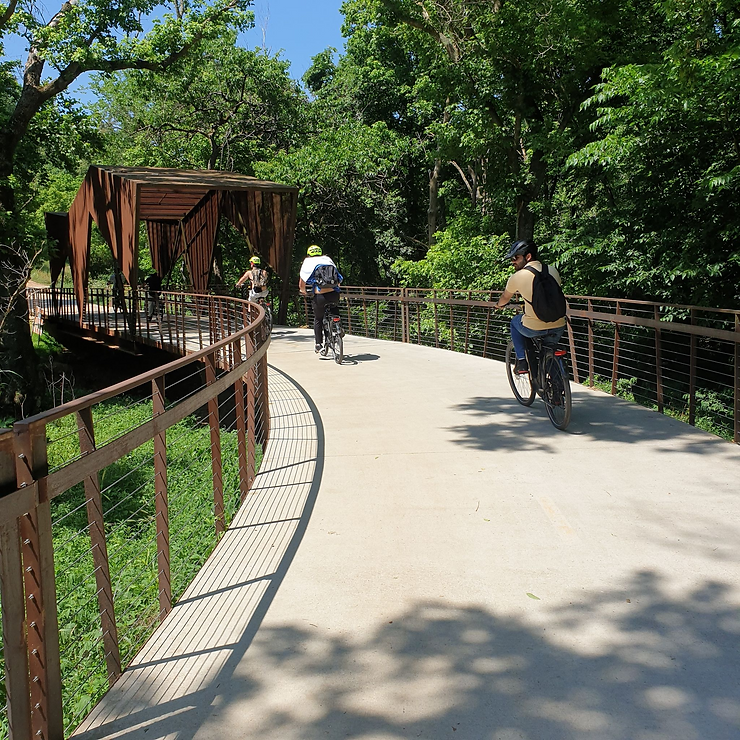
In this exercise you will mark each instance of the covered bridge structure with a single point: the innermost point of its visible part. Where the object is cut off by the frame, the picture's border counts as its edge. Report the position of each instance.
(182, 210)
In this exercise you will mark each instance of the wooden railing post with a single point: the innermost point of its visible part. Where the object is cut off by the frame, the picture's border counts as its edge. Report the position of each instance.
(99, 551)
(161, 498)
(736, 414)
(265, 401)
(573, 357)
(436, 320)
(241, 425)
(658, 362)
(216, 464)
(452, 323)
(40, 589)
(467, 323)
(251, 415)
(692, 373)
(15, 648)
(615, 356)
(364, 309)
(590, 347)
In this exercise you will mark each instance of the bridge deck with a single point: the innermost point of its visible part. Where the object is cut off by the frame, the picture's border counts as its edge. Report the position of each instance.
(422, 557)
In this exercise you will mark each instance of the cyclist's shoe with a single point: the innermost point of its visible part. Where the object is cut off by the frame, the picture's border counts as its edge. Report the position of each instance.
(521, 367)
(317, 348)
(324, 350)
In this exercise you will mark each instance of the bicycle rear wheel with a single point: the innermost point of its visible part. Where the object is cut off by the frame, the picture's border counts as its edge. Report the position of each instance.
(338, 345)
(268, 317)
(521, 383)
(557, 393)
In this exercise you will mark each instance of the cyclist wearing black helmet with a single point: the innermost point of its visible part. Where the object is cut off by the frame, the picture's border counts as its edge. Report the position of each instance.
(523, 253)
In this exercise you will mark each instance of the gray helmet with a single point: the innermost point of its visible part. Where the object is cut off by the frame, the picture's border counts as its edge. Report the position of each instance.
(523, 246)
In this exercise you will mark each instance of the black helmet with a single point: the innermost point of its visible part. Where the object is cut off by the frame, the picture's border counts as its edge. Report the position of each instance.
(522, 246)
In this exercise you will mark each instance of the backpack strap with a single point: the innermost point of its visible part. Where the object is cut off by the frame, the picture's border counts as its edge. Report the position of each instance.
(531, 269)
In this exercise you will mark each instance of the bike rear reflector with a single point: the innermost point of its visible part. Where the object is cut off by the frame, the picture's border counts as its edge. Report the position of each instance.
(560, 353)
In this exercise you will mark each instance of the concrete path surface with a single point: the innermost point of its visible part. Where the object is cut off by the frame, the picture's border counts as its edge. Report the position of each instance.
(424, 558)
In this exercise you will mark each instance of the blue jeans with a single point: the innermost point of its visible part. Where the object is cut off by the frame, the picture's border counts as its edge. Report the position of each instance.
(519, 332)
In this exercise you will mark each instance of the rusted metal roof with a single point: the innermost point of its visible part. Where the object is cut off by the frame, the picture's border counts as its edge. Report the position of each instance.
(182, 209)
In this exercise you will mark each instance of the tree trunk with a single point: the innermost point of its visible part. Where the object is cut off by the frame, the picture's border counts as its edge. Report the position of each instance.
(433, 209)
(434, 176)
(21, 381)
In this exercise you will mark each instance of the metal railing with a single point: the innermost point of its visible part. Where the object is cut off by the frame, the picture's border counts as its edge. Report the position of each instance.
(111, 503)
(677, 359)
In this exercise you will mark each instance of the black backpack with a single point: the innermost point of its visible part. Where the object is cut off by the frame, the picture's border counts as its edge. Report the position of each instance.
(325, 276)
(548, 301)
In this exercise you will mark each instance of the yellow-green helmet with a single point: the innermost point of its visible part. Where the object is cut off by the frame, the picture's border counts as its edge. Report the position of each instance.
(255, 260)
(314, 251)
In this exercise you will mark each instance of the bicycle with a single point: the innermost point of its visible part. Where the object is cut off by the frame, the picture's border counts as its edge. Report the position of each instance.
(245, 292)
(268, 312)
(333, 333)
(547, 376)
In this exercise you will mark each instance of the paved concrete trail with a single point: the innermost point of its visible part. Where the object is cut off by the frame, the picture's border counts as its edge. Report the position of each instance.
(423, 557)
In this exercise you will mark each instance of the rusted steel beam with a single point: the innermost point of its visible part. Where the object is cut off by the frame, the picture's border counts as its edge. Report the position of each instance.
(590, 349)
(216, 463)
(436, 320)
(573, 357)
(241, 429)
(452, 328)
(659, 361)
(615, 355)
(99, 549)
(364, 310)
(264, 388)
(737, 381)
(40, 591)
(15, 647)
(692, 373)
(251, 417)
(161, 502)
(467, 325)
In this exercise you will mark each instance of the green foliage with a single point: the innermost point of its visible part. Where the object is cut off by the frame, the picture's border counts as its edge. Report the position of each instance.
(462, 257)
(351, 202)
(650, 208)
(222, 108)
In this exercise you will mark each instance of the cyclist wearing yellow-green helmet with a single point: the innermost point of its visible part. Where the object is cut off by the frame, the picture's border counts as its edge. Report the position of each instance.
(320, 279)
(258, 280)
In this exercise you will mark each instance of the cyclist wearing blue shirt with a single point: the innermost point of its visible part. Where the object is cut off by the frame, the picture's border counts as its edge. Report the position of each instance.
(320, 295)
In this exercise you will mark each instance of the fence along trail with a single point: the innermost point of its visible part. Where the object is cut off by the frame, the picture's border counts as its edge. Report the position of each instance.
(474, 418)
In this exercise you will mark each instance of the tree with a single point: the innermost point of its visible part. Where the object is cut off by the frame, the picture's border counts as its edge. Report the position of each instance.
(81, 36)
(518, 73)
(661, 217)
(222, 108)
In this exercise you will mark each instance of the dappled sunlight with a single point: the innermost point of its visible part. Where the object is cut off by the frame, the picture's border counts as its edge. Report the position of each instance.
(654, 666)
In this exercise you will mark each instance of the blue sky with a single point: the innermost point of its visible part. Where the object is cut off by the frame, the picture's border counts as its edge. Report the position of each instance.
(302, 29)
(297, 28)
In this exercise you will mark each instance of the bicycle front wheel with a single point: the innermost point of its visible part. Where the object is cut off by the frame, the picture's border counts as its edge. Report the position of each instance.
(268, 318)
(557, 393)
(521, 383)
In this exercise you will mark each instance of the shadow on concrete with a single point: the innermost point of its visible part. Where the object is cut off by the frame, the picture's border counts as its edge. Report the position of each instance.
(635, 661)
(357, 359)
(596, 416)
(283, 490)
